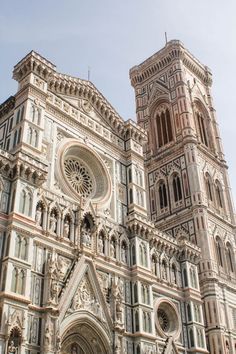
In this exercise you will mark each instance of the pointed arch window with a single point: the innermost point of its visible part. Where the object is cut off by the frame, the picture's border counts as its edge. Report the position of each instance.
(219, 252)
(229, 257)
(177, 189)
(202, 128)
(218, 192)
(162, 193)
(164, 128)
(209, 187)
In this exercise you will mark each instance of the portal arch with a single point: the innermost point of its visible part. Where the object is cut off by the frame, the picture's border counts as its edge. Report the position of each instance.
(82, 333)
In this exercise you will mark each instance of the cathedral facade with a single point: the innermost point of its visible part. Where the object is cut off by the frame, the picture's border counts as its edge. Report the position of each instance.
(115, 236)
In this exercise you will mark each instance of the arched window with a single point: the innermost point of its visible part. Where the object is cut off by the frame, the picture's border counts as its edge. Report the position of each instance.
(30, 135)
(23, 197)
(209, 187)
(218, 192)
(19, 135)
(131, 196)
(21, 281)
(24, 247)
(219, 251)
(164, 128)
(135, 293)
(202, 128)
(189, 312)
(136, 322)
(162, 195)
(18, 117)
(185, 277)
(191, 338)
(177, 190)
(229, 257)
(18, 246)
(14, 280)
(193, 277)
(143, 255)
(15, 139)
(130, 175)
(22, 113)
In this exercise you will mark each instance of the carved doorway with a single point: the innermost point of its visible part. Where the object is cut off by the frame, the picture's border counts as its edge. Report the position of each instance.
(84, 339)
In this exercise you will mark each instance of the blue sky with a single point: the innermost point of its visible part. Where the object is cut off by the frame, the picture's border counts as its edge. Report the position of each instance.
(112, 36)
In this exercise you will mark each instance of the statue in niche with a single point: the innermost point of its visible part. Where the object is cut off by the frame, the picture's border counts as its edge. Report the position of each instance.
(100, 245)
(53, 222)
(112, 249)
(54, 272)
(74, 349)
(12, 349)
(66, 229)
(117, 291)
(123, 253)
(164, 272)
(86, 236)
(38, 216)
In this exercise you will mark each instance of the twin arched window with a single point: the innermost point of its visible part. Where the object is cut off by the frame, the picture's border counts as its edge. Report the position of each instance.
(21, 247)
(214, 192)
(164, 128)
(33, 137)
(162, 191)
(227, 252)
(143, 255)
(18, 281)
(25, 202)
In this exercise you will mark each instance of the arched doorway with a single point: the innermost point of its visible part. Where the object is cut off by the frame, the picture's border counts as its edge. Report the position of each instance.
(85, 336)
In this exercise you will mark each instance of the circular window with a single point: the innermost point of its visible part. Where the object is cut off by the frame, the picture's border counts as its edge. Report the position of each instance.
(167, 318)
(81, 173)
(79, 177)
(163, 320)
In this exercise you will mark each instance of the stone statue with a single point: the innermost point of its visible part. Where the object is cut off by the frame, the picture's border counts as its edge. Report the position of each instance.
(123, 254)
(38, 216)
(53, 223)
(86, 237)
(100, 245)
(12, 349)
(47, 337)
(66, 230)
(112, 250)
(119, 311)
(54, 290)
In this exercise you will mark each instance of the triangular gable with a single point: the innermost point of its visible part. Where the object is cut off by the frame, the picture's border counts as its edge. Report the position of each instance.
(159, 91)
(83, 292)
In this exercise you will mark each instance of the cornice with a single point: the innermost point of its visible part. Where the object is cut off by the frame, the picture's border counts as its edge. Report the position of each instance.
(7, 106)
(173, 50)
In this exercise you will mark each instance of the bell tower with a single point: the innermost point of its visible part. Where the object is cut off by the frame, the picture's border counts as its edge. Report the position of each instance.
(187, 180)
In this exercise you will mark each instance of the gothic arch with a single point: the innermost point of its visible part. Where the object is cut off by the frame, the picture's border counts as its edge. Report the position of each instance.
(85, 332)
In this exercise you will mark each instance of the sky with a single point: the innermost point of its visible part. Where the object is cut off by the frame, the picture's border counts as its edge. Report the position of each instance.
(111, 36)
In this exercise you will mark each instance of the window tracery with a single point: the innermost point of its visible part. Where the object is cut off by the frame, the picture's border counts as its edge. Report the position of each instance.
(163, 126)
(79, 177)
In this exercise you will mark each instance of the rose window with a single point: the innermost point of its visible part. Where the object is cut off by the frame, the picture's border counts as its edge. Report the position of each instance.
(79, 177)
(81, 173)
(163, 320)
(167, 318)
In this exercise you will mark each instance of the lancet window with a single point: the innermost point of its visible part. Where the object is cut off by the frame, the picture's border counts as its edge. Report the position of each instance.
(164, 127)
(177, 189)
